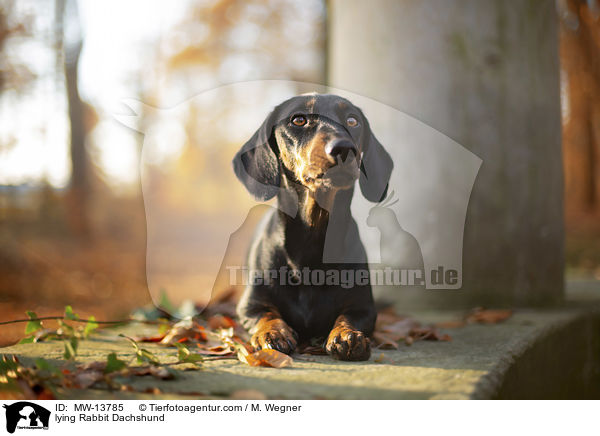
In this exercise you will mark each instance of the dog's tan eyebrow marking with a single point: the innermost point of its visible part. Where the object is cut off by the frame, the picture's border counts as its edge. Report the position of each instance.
(310, 104)
(342, 105)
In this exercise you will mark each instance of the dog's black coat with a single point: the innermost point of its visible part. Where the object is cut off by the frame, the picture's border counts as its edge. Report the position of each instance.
(309, 152)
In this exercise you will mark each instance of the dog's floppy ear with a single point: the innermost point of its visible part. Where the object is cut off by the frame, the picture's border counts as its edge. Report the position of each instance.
(375, 168)
(256, 164)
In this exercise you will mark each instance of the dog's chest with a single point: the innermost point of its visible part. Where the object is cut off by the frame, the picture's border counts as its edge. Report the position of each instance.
(309, 310)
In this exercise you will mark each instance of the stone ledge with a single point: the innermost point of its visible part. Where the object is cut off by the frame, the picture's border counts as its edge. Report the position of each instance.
(534, 354)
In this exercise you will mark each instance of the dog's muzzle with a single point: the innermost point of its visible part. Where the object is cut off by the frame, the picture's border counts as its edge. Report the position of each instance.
(343, 154)
(340, 148)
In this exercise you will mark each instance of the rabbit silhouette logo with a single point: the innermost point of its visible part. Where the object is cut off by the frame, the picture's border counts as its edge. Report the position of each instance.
(398, 248)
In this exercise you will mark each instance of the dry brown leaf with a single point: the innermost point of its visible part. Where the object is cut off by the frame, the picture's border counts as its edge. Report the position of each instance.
(216, 322)
(272, 358)
(248, 394)
(385, 341)
(400, 328)
(218, 350)
(184, 331)
(96, 365)
(154, 391)
(450, 324)
(487, 316)
(158, 338)
(387, 316)
(380, 358)
(86, 379)
(155, 371)
(392, 328)
(427, 333)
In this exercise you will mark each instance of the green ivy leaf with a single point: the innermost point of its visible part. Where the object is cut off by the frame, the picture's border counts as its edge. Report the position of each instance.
(66, 328)
(194, 358)
(184, 355)
(70, 348)
(164, 326)
(34, 325)
(27, 340)
(90, 326)
(143, 355)
(69, 314)
(182, 351)
(113, 363)
(44, 365)
(133, 343)
(69, 352)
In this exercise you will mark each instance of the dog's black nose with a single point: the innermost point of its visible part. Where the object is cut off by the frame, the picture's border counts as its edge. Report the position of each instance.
(341, 148)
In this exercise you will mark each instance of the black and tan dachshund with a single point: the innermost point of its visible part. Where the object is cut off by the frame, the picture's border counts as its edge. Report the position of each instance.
(309, 152)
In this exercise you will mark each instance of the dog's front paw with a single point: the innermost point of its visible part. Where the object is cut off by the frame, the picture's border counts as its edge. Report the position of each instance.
(344, 343)
(274, 334)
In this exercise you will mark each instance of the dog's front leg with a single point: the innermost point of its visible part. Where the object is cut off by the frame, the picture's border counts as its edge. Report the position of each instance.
(270, 331)
(346, 342)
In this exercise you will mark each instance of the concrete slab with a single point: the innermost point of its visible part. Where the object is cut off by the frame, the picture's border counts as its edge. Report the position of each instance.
(534, 354)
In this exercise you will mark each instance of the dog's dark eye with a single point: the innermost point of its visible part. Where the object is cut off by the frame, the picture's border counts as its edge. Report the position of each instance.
(351, 121)
(299, 120)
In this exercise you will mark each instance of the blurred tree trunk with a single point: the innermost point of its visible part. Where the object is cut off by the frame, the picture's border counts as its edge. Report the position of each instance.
(580, 62)
(78, 196)
(486, 74)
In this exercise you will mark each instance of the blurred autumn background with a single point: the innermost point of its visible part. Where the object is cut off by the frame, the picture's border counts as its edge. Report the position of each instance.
(73, 228)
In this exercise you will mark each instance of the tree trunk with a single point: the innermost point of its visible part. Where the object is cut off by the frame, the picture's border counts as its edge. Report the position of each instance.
(580, 62)
(486, 74)
(78, 195)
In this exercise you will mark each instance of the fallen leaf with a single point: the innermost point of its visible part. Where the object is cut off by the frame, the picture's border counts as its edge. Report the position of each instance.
(155, 371)
(154, 391)
(450, 324)
(387, 316)
(84, 379)
(216, 322)
(186, 356)
(44, 365)
(40, 335)
(380, 358)
(90, 326)
(427, 333)
(158, 338)
(268, 357)
(385, 341)
(93, 366)
(34, 324)
(184, 331)
(113, 364)
(487, 316)
(392, 328)
(248, 394)
(219, 350)
(400, 328)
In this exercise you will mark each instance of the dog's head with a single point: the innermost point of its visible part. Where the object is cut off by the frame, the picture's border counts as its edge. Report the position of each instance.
(322, 142)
